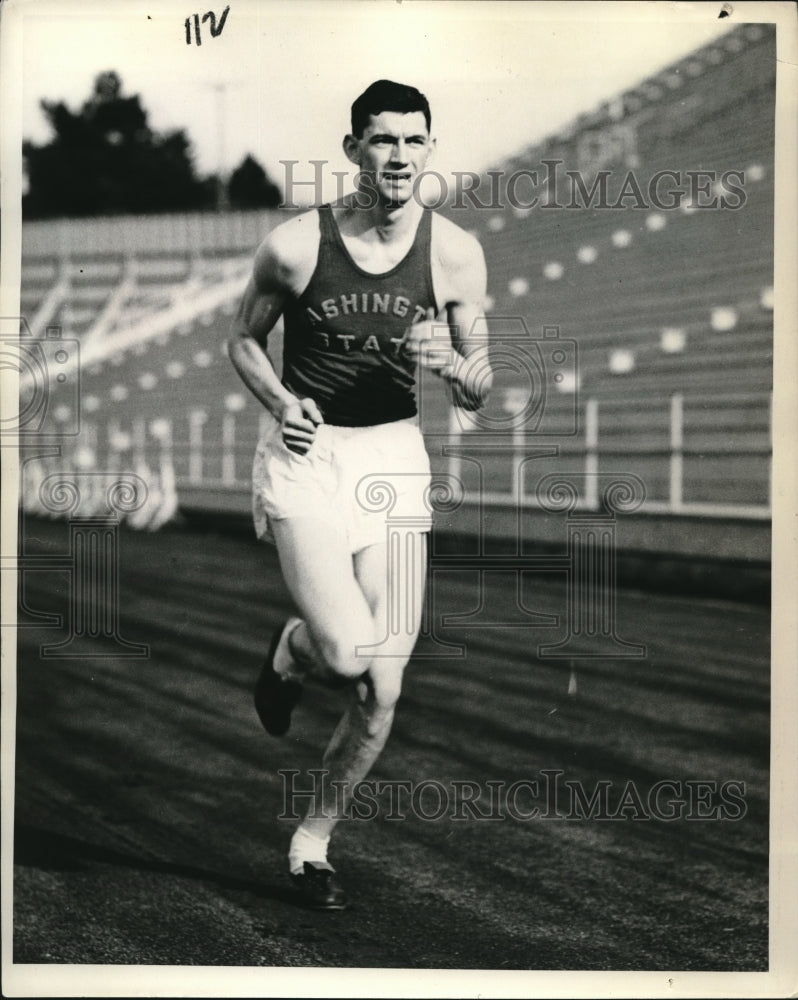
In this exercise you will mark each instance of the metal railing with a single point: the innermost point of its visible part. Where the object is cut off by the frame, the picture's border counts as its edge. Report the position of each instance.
(594, 459)
(216, 451)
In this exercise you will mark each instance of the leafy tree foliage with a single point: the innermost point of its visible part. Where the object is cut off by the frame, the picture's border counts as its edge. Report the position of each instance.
(250, 187)
(106, 160)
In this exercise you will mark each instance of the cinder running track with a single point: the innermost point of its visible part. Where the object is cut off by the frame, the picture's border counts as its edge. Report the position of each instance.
(147, 794)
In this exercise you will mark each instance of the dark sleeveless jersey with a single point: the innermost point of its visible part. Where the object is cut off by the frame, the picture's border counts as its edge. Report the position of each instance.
(343, 334)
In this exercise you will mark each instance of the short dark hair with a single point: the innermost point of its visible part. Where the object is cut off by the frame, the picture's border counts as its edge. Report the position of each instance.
(385, 95)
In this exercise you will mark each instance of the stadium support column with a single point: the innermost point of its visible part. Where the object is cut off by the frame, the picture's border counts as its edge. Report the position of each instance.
(677, 446)
(234, 403)
(196, 421)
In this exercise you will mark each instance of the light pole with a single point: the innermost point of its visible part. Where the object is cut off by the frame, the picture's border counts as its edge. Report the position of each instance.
(222, 201)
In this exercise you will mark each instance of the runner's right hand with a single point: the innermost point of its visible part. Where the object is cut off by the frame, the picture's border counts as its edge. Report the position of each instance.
(298, 425)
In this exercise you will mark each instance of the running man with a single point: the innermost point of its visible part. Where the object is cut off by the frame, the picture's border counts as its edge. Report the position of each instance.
(369, 288)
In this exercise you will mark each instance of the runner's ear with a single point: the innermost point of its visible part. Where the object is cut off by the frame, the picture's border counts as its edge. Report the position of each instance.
(351, 146)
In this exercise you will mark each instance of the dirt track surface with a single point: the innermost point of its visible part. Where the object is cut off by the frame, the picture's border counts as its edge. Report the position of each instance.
(147, 794)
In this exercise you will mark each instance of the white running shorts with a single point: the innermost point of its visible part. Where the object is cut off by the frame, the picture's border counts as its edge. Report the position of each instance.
(360, 480)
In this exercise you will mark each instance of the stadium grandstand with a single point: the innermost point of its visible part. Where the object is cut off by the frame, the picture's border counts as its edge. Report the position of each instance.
(644, 314)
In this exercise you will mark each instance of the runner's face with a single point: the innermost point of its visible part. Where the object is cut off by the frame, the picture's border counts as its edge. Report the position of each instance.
(393, 151)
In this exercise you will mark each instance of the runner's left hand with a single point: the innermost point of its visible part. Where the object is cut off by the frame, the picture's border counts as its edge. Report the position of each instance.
(430, 344)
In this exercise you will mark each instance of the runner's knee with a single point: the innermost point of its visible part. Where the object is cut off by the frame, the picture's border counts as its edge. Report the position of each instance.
(341, 652)
(382, 704)
(387, 686)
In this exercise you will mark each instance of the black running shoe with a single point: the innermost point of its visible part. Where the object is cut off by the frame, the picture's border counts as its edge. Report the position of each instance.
(319, 888)
(275, 697)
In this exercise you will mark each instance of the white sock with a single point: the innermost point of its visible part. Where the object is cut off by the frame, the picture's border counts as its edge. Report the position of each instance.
(284, 663)
(305, 847)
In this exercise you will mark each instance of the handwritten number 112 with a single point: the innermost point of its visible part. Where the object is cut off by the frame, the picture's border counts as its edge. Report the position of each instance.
(216, 30)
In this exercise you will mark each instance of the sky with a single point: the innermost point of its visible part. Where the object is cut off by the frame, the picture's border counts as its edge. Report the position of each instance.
(279, 80)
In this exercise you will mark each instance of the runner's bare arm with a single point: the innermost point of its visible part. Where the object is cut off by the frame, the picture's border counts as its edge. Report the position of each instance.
(461, 284)
(471, 377)
(261, 307)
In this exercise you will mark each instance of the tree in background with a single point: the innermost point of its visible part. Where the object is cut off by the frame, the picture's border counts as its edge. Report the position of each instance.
(250, 187)
(106, 160)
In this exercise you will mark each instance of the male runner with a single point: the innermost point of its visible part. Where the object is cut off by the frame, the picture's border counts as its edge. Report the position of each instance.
(365, 287)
